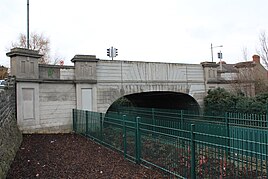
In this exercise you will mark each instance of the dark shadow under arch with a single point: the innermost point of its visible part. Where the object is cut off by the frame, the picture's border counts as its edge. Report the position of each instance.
(157, 99)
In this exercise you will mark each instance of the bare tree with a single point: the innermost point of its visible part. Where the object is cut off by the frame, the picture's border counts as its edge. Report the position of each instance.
(251, 77)
(263, 49)
(37, 42)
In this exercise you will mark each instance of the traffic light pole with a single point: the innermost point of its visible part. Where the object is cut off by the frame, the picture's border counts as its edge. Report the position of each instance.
(112, 52)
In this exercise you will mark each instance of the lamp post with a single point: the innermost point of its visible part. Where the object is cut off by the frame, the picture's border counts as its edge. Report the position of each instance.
(28, 24)
(211, 48)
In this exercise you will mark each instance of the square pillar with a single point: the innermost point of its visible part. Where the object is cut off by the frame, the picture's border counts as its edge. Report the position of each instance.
(85, 68)
(24, 63)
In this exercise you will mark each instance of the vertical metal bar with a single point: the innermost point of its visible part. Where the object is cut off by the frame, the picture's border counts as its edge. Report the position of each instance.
(257, 150)
(74, 120)
(28, 20)
(211, 48)
(101, 127)
(182, 117)
(182, 124)
(247, 147)
(154, 122)
(193, 151)
(138, 140)
(112, 52)
(267, 117)
(266, 151)
(237, 144)
(222, 158)
(124, 136)
(86, 122)
(251, 149)
(227, 133)
(214, 153)
(261, 152)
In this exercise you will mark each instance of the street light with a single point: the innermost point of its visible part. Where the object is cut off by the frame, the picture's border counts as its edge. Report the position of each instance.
(211, 48)
(28, 24)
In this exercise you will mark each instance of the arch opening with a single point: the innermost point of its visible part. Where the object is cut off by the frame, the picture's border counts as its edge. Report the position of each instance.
(157, 99)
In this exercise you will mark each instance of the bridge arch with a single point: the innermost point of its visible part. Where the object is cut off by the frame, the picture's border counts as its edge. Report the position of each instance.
(156, 99)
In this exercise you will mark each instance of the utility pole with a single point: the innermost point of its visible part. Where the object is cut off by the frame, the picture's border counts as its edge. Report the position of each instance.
(28, 34)
(211, 48)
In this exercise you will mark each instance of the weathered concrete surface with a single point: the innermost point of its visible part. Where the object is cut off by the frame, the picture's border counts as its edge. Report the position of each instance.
(51, 106)
(118, 78)
(45, 102)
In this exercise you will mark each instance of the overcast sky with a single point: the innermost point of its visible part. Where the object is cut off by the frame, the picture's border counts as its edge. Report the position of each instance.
(177, 31)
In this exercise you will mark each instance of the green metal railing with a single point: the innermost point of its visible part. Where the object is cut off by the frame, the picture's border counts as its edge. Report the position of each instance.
(183, 144)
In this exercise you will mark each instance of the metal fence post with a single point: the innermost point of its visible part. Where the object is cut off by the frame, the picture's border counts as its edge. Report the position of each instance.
(226, 116)
(267, 115)
(182, 116)
(182, 124)
(74, 120)
(124, 136)
(138, 141)
(86, 122)
(153, 119)
(101, 126)
(193, 176)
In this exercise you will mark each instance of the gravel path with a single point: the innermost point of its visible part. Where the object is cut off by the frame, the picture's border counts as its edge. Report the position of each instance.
(72, 156)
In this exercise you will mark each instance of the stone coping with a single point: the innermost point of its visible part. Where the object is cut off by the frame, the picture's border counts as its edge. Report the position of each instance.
(24, 52)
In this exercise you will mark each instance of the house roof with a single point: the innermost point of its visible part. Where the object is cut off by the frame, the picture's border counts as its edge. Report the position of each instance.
(227, 68)
(245, 64)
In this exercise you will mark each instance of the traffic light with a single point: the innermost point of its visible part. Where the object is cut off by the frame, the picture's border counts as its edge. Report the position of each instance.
(116, 52)
(219, 55)
(112, 52)
(108, 52)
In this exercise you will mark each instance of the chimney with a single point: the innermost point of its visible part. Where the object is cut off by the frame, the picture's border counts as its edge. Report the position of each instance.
(256, 58)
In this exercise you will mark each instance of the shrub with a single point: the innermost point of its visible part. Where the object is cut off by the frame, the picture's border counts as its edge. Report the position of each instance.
(218, 101)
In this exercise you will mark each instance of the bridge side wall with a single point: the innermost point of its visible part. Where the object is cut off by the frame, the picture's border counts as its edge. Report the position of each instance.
(56, 104)
(119, 78)
(46, 94)
(45, 107)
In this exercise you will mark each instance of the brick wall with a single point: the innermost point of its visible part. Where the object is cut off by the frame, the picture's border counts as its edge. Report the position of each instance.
(10, 136)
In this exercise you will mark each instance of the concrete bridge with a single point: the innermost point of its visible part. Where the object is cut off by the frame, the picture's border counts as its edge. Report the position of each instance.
(46, 94)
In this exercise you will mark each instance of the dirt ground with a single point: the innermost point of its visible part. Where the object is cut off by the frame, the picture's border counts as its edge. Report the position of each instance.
(72, 156)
